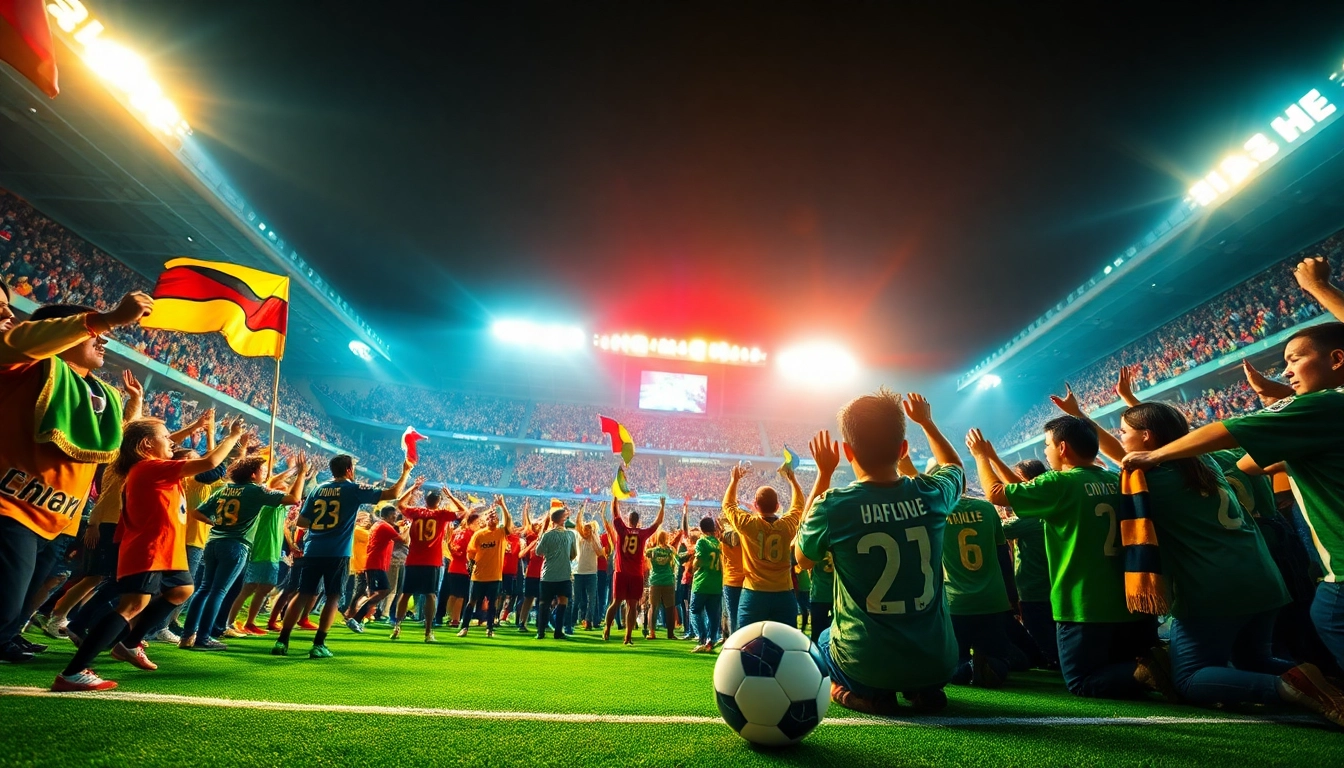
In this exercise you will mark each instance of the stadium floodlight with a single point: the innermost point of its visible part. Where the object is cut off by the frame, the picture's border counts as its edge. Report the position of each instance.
(361, 350)
(697, 350)
(818, 362)
(551, 337)
(988, 381)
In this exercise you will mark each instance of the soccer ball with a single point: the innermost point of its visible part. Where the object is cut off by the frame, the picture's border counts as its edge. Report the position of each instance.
(771, 684)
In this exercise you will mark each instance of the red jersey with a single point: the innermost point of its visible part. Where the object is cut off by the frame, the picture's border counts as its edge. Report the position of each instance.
(511, 555)
(428, 527)
(382, 537)
(602, 554)
(533, 565)
(630, 552)
(457, 547)
(153, 527)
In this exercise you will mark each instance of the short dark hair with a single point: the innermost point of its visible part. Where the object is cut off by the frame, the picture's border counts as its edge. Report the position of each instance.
(387, 511)
(1030, 469)
(873, 427)
(341, 464)
(1078, 433)
(54, 311)
(432, 498)
(707, 525)
(558, 514)
(243, 469)
(634, 519)
(1325, 337)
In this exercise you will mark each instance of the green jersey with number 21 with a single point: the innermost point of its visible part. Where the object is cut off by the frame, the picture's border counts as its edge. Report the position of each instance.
(891, 628)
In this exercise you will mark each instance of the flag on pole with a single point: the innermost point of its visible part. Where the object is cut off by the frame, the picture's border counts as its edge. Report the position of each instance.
(621, 442)
(620, 487)
(791, 460)
(409, 438)
(26, 43)
(248, 306)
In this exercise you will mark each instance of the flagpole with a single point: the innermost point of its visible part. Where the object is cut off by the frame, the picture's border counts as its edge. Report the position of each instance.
(275, 406)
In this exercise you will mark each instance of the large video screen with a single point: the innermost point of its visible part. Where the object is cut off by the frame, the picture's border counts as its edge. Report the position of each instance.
(663, 391)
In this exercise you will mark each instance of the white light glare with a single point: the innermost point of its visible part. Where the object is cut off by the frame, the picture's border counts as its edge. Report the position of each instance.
(361, 350)
(550, 337)
(988, 381)
(818, 363)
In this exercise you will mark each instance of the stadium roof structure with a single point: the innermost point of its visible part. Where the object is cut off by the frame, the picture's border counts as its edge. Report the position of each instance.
(88, 160)
(1206, 246)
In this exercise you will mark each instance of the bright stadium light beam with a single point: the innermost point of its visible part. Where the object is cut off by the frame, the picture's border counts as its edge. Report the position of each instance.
(818, 363)
(988, 381)
(361, 350)
(550, 337)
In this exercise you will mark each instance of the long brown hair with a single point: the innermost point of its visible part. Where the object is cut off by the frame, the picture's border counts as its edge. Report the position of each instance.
(132, 435)
(1167, 424)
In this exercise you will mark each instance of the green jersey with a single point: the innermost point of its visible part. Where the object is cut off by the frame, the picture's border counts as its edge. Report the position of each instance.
(1082, 541)
(1213, 556)
(971, 572)
(823, 581)
(1255, 493)
(708, 576)
(1031, 571)
(269, 541)
(1304, 431)
(234, 510)
(663, 573)
(804, 580)
(885, 540)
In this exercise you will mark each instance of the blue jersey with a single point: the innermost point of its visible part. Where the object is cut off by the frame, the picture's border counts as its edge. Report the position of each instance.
(330, 513)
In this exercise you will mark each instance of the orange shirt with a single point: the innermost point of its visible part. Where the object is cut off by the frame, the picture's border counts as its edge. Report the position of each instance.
(153, 519)
(359, 556)
(487, 549)
(40, 486)
(734, 573)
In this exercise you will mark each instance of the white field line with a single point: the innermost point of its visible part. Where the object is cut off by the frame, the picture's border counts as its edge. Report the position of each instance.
(561, 717)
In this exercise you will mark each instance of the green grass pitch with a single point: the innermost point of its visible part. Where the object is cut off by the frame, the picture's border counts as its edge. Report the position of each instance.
(513, 673)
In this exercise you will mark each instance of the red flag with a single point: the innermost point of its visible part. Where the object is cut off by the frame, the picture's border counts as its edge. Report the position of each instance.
(26, 44)
(409, 438)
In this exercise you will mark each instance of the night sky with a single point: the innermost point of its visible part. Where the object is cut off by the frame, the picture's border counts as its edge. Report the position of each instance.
(920, 182)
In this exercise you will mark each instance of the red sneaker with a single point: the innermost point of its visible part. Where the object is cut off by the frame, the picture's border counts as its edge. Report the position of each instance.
(273, 626)
(253, 629)
(306, 624)
(136, 656)
(82, 682)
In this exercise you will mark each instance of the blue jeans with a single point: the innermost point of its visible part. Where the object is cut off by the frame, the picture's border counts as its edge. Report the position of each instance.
(1202, 649)
(983, 633)
(225, 560)
(732, 597)
(585, 597)
(603, 592)
(706, 610)
(767, 606)
(1327, 613)
(1098, 659)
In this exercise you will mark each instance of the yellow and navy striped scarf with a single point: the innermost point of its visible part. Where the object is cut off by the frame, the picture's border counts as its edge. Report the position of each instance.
(1145, 589)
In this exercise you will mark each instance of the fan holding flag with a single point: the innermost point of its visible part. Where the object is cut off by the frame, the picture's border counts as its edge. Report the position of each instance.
(409, 440)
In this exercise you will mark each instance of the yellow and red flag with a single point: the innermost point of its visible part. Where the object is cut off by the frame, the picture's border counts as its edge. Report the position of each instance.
(622, 443)
(248, 306)
(26, 43)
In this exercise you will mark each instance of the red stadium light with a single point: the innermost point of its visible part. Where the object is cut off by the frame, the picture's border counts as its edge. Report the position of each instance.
(696, 350)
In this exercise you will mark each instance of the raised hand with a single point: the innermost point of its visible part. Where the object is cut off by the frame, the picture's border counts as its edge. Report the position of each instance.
(917, 409)
(236, 429)
(738, 472)
(1068, 403)
(825, 452)
(1269, 390)
(978, 445)
(1124, 384)
(1312, 273)
(133, 386)
(129, 310)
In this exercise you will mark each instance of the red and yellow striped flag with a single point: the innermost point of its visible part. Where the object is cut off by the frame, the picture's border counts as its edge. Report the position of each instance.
(26, 44)
(248, 306)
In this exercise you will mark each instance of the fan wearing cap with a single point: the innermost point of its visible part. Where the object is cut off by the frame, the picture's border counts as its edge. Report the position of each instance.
(57, 423)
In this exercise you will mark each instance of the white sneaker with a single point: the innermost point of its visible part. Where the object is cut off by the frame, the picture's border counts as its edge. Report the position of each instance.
(165, 635)
(55, 628)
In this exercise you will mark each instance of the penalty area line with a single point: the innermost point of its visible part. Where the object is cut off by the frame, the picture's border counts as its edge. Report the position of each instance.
(562, 717)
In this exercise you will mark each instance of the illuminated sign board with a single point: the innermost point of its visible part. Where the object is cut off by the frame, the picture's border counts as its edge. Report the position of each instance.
(117, 65)
(1297, 122)
(696, 350)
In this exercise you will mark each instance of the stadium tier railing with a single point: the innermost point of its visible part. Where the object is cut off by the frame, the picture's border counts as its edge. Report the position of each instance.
(257, 416)
(1189, 377)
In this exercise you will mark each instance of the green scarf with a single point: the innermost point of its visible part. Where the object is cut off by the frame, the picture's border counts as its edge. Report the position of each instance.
(65, 415)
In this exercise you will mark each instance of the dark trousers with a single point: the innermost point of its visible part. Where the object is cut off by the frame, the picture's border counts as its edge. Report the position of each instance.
(821, 618)
(1098, 659)
(1039, 622)
(983, 635)
(25, 561)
